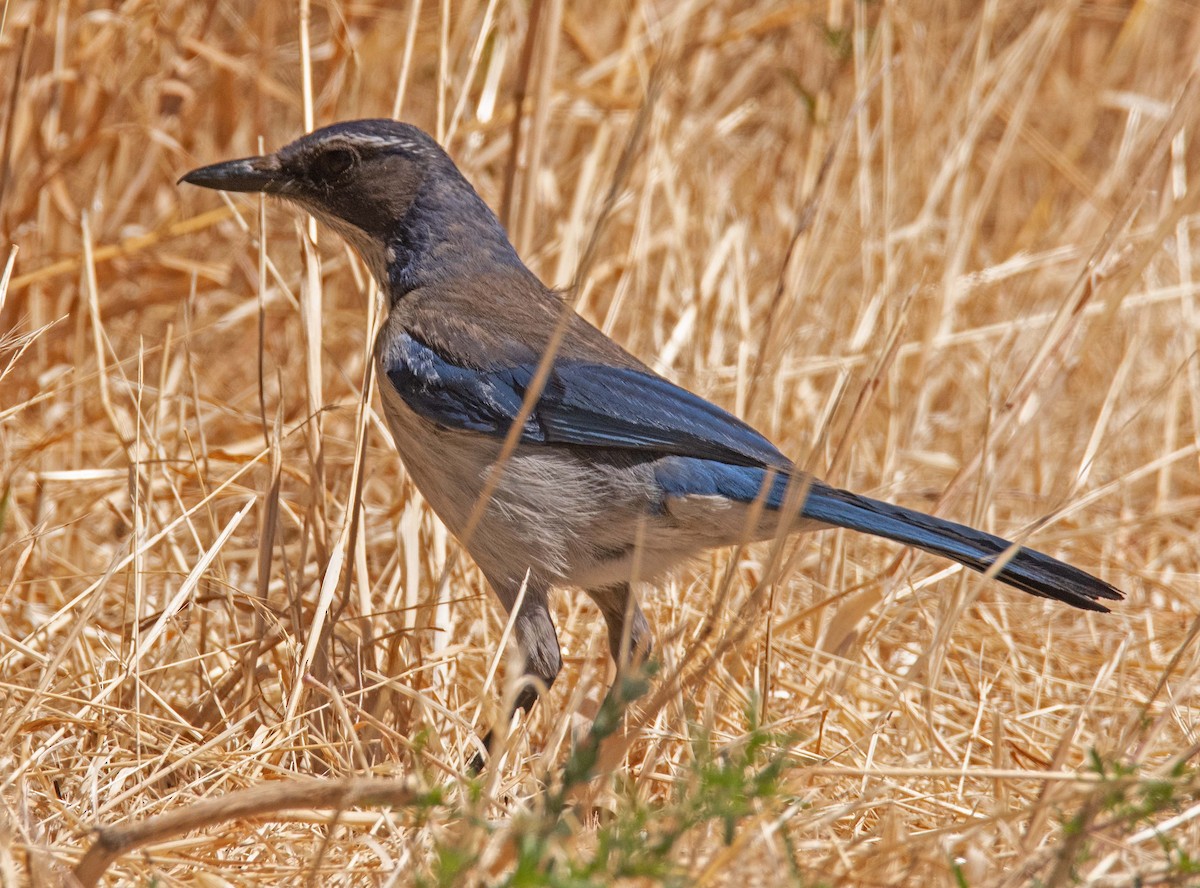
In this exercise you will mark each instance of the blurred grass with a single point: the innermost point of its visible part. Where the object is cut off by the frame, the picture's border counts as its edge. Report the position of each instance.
(940, 252)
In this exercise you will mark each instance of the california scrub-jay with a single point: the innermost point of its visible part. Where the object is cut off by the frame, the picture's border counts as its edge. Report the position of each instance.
(617, 474)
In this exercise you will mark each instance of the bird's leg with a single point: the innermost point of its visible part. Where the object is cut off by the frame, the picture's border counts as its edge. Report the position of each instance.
(629, 638)
(538, 643)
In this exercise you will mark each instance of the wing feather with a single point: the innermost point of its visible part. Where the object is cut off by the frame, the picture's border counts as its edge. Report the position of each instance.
(583, 404)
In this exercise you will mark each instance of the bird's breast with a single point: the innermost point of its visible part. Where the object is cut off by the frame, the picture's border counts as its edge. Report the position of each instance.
(446, 466)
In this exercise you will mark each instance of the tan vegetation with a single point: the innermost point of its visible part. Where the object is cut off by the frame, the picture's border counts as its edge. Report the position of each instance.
(939, 252)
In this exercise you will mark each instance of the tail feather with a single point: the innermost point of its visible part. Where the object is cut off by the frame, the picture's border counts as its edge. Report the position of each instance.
(1027, 570)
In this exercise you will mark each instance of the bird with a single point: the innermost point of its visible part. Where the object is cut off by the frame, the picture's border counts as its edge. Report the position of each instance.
(617, 474)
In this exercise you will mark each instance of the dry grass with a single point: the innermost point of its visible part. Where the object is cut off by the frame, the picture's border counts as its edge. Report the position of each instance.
(939, 252)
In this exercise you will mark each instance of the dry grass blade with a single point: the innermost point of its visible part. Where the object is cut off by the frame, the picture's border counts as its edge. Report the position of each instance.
(128, 247)
(6, 277)
(270, 799)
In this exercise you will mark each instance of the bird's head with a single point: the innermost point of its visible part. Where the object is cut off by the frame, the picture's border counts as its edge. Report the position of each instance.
(360, 177)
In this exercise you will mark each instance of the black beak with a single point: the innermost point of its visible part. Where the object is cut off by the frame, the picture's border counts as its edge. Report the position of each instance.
(247, 174)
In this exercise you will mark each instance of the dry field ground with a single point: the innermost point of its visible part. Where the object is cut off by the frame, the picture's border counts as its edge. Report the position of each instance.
(941, 252)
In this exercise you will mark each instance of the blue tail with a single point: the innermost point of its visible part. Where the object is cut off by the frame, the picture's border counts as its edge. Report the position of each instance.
(1027, 569)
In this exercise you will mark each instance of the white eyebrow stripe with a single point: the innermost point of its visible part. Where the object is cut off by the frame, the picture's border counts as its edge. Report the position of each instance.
(366, 139)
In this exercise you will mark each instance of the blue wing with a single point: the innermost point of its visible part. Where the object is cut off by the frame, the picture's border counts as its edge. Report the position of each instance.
(582, 404)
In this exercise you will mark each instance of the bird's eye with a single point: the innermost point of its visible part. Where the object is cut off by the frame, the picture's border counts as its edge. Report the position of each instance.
(330, 164)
